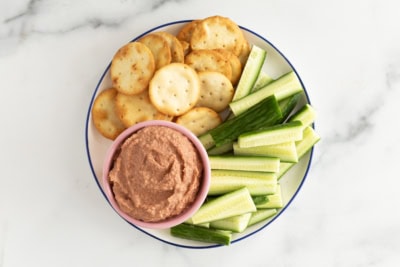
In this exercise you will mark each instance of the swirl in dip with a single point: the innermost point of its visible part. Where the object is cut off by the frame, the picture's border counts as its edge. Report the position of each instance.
(156, 174)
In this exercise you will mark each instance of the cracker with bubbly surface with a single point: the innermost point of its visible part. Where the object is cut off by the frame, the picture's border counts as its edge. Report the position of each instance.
(186, 47)
(216, 91)
(209, 60)
(159, 48)
(199, 120)
(217, 32)
(137, 108)
(244, 52)
(104, 116)
(235, 63)
(175, 46)
(132, 68)
(185, 33)
(174, 89)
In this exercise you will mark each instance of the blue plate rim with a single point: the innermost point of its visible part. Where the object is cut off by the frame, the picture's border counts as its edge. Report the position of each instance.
(144, 231)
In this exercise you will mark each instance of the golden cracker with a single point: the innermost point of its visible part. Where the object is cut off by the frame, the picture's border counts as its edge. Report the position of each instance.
(235, 63)
(199, 120)
(244, 52)
(185, 33)
(175, 46)
(216, 91)
(104, 116)
(132, 68)
(159, 48)
(217, 32)
(186, 47)
(137, 108)
(209, 60)
(174, 89)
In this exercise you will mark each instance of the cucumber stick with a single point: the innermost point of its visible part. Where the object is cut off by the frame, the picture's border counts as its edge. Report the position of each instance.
(288, 104)
(286, 151)
(310, 138)
(306, 115)
(236, 223)
(202, 234)
(283, 87)
(207, 141)
(244, 163)
(261, 215)
(234, 203)
(225, 148)
(274, 201)
(262, 80)
(259, 199)
(263, 114)
(250, 72)
(284, 168)
(205, 225)
(258, 183)
(291, 131)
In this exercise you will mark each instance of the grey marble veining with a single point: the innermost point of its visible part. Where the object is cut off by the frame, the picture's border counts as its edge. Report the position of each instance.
(35, 15)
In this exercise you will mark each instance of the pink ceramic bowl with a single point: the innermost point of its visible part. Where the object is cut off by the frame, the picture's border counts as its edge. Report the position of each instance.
(204, 186)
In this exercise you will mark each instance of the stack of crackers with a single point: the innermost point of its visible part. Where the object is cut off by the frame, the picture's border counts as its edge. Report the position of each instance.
(188, 78)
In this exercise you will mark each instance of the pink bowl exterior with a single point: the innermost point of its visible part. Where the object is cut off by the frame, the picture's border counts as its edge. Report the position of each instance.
(205, 183)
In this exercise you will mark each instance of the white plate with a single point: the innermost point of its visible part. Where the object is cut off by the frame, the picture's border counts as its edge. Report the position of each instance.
(275, 65)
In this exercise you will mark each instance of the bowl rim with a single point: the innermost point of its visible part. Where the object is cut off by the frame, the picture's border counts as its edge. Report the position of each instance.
(205, 177)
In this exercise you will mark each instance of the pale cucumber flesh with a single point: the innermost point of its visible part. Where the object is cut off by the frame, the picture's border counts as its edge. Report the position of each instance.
(235, 223)
(244, 163)
(207, 141)
(262, 81)
(306, 115)
(310, 138)
(225, 148)
(283, 87)
(250, 72)
(258, 183)
(286, 151)
(261, 215)
(275, 200)
(228, 205)
(291, 131)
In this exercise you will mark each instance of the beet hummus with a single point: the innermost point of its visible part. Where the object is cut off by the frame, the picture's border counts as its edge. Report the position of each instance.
(156, 174)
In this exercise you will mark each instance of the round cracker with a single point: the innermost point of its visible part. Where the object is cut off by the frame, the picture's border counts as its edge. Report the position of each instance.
(199, 120)
(244, 53)
(137, 108)
(174, 89)
(209, 60)
(185, 33)
(235, 63)
(216, 91)
(217, 32)
(175, 46)
(159, 47)
(186, 47)
(104, 116)
(132, 68)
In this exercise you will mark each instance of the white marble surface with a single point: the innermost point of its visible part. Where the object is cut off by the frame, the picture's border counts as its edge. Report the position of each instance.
(51, 56)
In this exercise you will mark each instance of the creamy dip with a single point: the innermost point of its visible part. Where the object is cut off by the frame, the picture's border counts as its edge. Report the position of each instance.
(156, 174)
